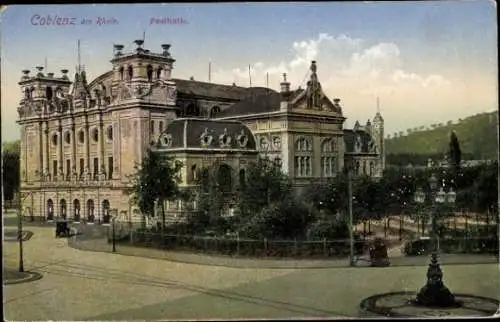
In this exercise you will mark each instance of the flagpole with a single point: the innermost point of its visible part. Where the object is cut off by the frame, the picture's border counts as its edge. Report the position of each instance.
(249, 76)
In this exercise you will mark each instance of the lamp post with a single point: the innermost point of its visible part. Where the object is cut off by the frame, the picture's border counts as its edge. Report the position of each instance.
(113, 219)
(20, 229)
(351, 233)
(435, 293)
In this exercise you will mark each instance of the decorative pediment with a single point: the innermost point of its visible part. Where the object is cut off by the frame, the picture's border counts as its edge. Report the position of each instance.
(316, 100)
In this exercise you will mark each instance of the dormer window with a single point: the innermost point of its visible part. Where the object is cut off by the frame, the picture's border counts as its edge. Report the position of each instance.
(150, 73)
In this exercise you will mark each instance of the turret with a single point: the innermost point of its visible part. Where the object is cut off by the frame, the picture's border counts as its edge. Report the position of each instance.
(141, 69)
(378, 136)
(141, 65)
(285, 93)
(40, 88)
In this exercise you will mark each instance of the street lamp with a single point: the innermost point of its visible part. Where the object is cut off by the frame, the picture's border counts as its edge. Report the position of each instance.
(113, 221)
(22, 198)
(435, 293)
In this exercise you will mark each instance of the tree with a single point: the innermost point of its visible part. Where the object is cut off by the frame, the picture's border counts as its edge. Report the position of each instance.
(330, 197)
(454, 152)
(285, 219)
(211, 201)
(264, 182)
(11, 169)
(156, 180)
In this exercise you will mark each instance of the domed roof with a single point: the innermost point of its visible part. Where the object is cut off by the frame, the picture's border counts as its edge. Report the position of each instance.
(193, 133)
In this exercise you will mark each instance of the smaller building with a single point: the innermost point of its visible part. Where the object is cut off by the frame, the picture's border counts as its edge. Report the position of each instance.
(211, 151)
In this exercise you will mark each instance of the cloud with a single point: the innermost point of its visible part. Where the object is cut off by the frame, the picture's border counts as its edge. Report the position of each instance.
(343, 62)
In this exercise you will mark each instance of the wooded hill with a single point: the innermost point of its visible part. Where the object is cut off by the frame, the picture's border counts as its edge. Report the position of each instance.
(478, 136)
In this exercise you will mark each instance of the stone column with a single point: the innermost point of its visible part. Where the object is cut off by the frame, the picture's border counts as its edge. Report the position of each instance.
(46, 149)
(60, 150)
(87, 147)
(101, 148)
(73, 148)
(40, 150)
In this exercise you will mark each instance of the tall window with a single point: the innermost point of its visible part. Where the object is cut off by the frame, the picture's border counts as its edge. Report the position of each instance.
(130, 72)
(121, 70)
(372, 169)
(110, 168)
(161, 126)
(328, 158)
(96, 168)
(54, 168)
(150, 73)
(68, 169)
(82, 166)
(152, 127)
(364, 168)
(303, 158)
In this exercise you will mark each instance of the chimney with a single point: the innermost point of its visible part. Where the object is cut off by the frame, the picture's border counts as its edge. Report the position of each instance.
(139, 43)
(165, 48)
(118, 50)
(65, 74)
(40, 69)
(26, 75)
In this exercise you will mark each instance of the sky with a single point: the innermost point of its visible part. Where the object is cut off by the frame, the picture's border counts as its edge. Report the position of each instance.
(427, 62)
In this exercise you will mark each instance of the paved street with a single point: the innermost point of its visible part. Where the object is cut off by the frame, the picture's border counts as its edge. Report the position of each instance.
(82, 285)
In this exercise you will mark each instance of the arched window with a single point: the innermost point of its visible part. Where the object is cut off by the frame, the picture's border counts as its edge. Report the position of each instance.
(121, 71)
(242, 178)
(152, 127)
(106, 216)
(81, 136)
(62, 204)
(54, 139)
(357, 167)
(90, 210)
(50, 209)
(76, 210)
(48, 92)
(192, 110)
(194, 173)
(150, 73)
(109, 133)
(214, 111)
(364, 168)
(95, 135)
(303, 158)
(372, 168)
(161, 126)
(67, 137)
(130, 72)
(224, 178)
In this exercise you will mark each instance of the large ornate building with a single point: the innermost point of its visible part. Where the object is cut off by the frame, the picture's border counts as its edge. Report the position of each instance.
(80, 141)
